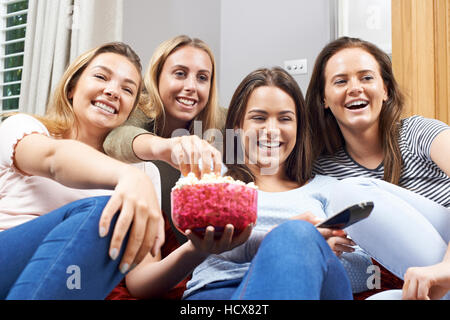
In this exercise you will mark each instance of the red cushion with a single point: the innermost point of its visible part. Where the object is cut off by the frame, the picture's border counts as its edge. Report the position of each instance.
(120, 292)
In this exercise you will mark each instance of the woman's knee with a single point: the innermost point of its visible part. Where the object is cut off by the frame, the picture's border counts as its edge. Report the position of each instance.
(92, 206)
(294, 243)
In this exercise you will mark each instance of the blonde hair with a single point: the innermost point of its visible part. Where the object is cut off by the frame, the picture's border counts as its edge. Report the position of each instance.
(151, 103)
(59, 117)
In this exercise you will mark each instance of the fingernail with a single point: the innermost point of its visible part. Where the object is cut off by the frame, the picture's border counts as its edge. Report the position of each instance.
(133, 265)
(124, 268)
(102, 232)
(114, 253)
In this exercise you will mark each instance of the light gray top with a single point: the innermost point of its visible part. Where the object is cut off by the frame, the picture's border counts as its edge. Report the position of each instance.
(273, 209)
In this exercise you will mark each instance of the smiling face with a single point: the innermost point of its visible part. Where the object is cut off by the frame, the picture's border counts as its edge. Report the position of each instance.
(354, 90)
(270, 127)
(184, 84)
(105, 93)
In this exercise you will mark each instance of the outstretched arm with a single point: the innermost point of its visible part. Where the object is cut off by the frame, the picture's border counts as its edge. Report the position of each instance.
(134, 142)
(154, 277)
(77, 165)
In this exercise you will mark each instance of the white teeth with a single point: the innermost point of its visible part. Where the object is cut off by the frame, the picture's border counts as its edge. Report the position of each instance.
(356, 103)
(186, 101)
(104, 107)
(266, 144)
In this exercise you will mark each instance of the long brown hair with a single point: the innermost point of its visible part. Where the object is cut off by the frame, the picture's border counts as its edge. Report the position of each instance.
(298, 166)
(328, 138)
(151, 103)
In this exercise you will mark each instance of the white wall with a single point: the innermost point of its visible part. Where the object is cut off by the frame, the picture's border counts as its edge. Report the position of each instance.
(265, 33)
(147, 23)
(243, 34)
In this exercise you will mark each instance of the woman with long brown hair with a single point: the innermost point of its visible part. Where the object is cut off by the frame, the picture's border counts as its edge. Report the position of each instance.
(271, 146)
(355, 106)
(282, 259)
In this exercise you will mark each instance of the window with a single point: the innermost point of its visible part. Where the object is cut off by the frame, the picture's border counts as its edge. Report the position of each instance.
(13, 21)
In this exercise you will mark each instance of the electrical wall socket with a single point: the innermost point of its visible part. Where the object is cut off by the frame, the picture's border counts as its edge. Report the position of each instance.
(296, 66)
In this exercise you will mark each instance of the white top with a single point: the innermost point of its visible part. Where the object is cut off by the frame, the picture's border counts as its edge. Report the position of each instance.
(24, 197)
(275, 208)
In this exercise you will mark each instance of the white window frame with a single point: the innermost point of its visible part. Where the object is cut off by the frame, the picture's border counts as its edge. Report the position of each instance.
(369, 20)
(3, 30)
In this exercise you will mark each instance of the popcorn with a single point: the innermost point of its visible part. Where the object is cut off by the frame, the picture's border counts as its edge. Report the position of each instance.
(191, 179)
(213, 200)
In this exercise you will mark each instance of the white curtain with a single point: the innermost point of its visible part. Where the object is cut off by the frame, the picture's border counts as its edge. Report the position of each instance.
(57, 32)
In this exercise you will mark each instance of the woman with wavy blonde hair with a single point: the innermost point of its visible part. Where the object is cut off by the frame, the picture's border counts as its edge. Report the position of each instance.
(59, 117)
(65, 207)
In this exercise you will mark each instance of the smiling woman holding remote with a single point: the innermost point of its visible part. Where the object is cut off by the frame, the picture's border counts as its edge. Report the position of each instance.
(286, 257)
(263, 111)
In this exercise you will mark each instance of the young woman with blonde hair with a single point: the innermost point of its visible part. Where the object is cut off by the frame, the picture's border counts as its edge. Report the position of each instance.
(56, 219)
(180, 93)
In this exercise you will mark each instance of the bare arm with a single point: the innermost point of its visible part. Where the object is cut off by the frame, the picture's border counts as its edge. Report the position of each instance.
(154, 277)
(68, 162)
(440, 151)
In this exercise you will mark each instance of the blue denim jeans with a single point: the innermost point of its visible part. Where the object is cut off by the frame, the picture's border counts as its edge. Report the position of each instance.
(59, 255)
(293, 262)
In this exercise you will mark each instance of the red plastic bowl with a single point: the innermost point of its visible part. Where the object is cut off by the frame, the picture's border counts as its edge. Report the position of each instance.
(197, 206)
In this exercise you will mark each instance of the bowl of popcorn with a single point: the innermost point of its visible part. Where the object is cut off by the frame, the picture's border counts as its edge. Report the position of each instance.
(213, 201)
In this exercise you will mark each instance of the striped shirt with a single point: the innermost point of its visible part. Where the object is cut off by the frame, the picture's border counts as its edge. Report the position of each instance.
(419, 173)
